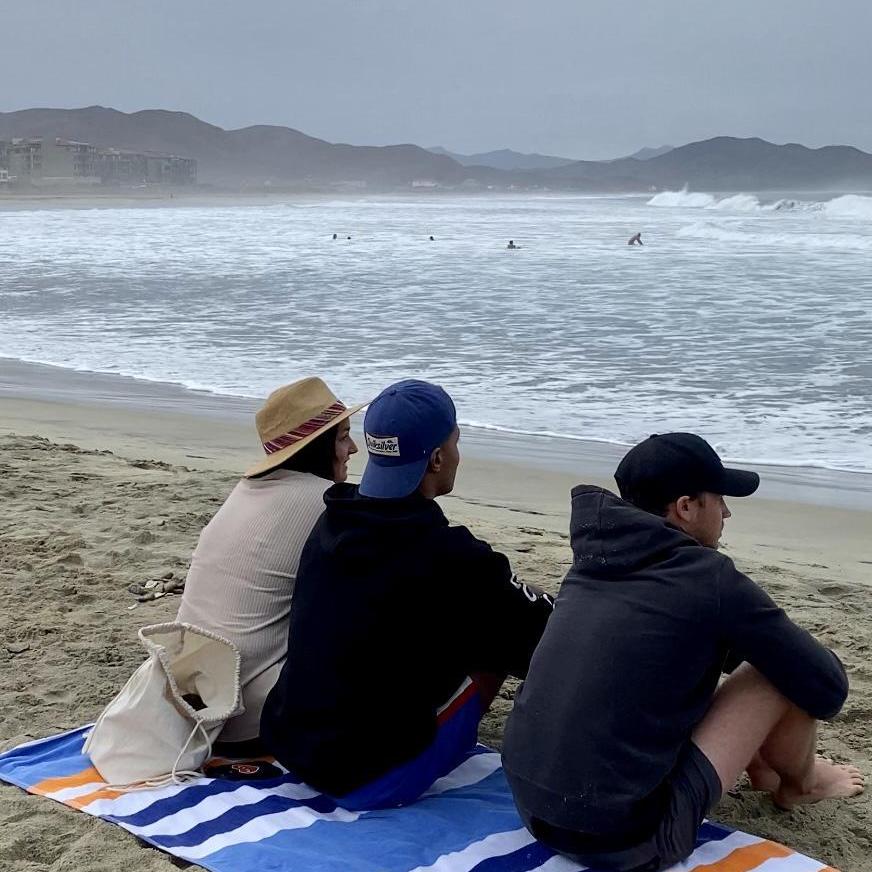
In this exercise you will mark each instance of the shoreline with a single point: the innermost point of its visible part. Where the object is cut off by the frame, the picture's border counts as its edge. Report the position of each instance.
(208, 195)
(228, 198)
(567, 455)
(798, 517)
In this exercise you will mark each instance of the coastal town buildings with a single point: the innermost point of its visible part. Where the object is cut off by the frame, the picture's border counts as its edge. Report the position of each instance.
(39, 161)
(53, 161)
(121, 167)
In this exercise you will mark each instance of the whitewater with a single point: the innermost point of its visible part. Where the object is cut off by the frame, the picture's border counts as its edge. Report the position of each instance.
(745, 318)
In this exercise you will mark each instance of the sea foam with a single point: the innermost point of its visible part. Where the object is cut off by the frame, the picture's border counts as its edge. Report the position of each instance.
(846, 206)
(750, 323)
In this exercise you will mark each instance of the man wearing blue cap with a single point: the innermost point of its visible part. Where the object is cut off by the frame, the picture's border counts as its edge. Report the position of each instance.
(402, 627)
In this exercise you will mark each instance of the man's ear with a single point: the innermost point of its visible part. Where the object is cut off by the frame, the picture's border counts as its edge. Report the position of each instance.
(684, 508)
(436, 461)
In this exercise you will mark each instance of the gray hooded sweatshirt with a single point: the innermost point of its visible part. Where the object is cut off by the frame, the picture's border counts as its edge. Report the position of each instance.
(628, 664)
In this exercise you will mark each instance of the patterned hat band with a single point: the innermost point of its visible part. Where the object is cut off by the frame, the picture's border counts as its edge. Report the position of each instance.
(307, 428)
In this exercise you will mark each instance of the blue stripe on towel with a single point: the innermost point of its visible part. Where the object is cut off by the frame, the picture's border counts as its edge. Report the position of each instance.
(390, 840)
(191, 796)
(710, 832)
(238, 816)
(528, 857)
(56, 757)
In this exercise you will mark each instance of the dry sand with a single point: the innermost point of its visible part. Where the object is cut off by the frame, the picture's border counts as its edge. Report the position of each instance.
(79, 524)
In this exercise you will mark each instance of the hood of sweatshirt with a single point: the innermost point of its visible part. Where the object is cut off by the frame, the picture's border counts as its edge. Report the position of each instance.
(356, 528)
(611, 538)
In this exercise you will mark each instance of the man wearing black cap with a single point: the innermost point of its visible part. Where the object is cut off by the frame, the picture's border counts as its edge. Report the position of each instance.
(402, 627)
(621, 740)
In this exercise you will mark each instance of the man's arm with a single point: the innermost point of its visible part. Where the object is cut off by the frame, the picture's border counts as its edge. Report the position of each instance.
(755, 629)
(504, 618)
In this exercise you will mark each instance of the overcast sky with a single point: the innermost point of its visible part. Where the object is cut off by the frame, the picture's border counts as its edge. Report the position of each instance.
(567, 77)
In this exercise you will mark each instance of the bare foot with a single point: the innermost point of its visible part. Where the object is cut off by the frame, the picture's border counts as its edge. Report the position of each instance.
(829, 781)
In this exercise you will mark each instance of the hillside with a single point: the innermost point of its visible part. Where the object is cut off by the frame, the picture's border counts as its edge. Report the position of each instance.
(251, 156)
(728, 164)
(265, 155)
(647, 152)
(504, 159)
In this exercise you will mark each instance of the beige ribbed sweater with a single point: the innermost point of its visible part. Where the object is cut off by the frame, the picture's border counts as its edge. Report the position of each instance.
(242, 578)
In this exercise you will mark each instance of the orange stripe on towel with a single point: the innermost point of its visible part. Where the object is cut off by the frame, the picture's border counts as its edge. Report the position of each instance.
(746, 858)
(50, 785)
(86, 799)
(86, 776)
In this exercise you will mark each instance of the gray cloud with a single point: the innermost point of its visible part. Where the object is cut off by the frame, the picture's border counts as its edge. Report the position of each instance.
(568, 77)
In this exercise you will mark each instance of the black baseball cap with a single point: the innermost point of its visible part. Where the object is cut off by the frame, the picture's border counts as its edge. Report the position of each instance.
(670, 465)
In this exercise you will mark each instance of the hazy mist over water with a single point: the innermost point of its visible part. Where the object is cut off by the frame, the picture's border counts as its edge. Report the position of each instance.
(748, 322)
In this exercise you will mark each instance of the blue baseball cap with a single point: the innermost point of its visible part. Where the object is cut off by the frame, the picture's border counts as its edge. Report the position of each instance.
(403, 425)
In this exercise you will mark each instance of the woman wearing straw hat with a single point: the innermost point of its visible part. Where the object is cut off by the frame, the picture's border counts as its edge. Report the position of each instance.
(244, 567)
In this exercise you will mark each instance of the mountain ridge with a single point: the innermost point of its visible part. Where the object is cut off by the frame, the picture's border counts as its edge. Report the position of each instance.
(726, 163)
(504, 159)
(272, 155)
(255, 155)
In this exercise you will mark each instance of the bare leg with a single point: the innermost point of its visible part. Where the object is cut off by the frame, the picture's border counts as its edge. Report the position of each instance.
(762, 775)
(750, 725)
(805, 778)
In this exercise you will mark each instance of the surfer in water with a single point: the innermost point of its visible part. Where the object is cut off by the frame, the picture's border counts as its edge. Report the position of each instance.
(512, 244)
(635, 239)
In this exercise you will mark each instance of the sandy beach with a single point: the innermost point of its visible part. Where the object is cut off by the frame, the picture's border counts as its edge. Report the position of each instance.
(106, 482)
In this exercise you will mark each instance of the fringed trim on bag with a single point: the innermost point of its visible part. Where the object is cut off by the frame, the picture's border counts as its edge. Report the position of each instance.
(160, 652)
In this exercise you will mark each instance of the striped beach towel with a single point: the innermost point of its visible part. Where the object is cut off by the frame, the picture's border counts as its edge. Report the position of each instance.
(466, 822)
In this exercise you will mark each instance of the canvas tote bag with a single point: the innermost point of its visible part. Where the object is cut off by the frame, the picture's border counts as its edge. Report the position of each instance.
(159, 729)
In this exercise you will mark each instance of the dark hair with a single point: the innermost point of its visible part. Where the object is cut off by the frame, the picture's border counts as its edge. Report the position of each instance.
(656, 504)
(317, 457)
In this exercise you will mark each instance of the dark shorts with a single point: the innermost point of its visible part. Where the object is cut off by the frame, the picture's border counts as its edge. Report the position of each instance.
(692, 790)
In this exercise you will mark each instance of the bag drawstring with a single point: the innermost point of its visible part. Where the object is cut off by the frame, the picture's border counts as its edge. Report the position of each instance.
(176, 775)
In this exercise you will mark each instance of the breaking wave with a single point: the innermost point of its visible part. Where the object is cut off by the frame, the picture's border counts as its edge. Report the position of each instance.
(733, 235)
(851, 206)
(682, 199)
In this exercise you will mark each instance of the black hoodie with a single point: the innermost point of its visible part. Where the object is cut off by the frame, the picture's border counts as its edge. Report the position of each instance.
(628, 665)
(392, 610)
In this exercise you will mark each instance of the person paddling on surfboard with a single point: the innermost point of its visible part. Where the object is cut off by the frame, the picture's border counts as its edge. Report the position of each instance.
(635, 239)
(512, 244)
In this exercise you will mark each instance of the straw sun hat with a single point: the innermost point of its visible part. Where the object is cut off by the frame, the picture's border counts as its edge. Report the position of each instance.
(292, 417)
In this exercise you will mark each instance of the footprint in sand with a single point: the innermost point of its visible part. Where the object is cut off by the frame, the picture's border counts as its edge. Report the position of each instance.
(71, 559)
(58, 696)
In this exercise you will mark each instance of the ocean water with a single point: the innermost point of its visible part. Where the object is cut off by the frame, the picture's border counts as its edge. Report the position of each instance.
(744, 319)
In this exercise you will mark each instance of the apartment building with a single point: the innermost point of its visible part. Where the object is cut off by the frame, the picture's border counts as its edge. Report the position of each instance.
(120, 167)
(52, 161)
(40, 161)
